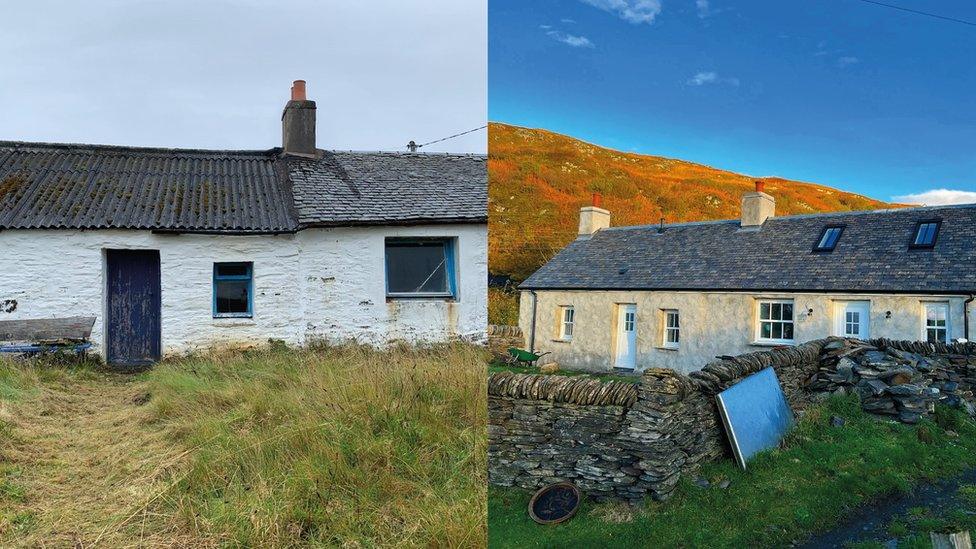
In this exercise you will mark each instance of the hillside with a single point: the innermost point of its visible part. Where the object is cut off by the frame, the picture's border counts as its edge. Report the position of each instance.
(538, 180)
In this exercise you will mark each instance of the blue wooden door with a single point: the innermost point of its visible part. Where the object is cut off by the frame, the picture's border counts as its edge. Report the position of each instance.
(133, 308)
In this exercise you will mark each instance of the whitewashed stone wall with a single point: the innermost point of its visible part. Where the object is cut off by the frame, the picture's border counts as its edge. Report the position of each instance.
(343, 274)
(712, 323)
(318, 283)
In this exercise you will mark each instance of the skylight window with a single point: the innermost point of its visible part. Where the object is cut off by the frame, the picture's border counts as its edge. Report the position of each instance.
(925, 233)
(828, 239)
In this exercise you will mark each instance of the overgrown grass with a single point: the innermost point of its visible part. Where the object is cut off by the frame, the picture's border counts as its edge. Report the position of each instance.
(503, 307)
(344, 446)
(336, 446)
(785, 495)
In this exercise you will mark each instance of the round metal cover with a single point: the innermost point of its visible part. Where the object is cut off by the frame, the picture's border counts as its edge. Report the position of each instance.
(555, 503)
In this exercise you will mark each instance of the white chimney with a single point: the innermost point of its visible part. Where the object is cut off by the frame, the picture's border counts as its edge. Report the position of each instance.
(757, 207)
(593, 218)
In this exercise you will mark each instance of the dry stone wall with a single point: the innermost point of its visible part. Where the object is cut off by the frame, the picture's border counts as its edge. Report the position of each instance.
(501, 337)
(617, 439)
(631, 440)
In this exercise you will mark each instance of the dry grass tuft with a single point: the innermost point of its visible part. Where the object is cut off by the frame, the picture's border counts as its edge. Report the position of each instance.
(343, 446)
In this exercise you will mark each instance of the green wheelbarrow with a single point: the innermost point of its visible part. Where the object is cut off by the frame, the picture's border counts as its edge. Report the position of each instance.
(523, 357)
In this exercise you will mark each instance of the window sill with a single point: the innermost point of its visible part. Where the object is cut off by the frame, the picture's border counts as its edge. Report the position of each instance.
(233, 321)
(761, 343)
(391, 298)
(561, 340)
(664, 348)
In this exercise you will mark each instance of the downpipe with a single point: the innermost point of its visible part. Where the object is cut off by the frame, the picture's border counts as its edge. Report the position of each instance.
(535, 302)
(965, 316)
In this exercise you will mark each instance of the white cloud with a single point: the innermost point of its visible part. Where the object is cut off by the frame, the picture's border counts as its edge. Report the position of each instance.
(711, 77)
(570, 39)
(703, 7)
(938, 197)
(847, 61)
(545, 27)
(568, 21)
(633, 11)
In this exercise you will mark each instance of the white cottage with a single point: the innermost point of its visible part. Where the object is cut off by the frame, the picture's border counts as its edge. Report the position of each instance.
(174, 250)
(676, 296)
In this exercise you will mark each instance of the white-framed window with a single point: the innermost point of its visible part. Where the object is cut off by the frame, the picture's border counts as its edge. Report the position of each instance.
(936, 326)
(852, 324)
(852, 319)
(775, 321)
(672, 328)
(567, 318)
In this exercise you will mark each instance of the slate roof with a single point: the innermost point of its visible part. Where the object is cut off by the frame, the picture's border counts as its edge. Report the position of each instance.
(872, 255)
(346, 188)
(77, 186)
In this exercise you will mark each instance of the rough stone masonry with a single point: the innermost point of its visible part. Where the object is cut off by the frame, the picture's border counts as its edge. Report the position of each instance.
(626, 441)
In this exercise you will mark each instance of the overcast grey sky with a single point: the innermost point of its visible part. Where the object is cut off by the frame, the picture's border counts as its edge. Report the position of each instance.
(217, 73)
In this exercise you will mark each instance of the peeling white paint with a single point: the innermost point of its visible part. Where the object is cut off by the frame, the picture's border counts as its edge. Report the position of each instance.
(316, 284)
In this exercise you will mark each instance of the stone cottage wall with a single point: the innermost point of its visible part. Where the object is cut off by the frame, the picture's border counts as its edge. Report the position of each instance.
(318, 284)
(712, 323)
(617, 439)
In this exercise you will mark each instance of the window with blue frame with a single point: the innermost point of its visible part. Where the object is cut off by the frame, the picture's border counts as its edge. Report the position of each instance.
(233, 290)
(420, 267)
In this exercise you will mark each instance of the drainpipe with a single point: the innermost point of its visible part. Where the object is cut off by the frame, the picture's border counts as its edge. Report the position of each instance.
(965, 316)
(535, 301)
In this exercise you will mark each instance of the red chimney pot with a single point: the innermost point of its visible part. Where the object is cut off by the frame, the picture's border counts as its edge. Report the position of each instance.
(298, 91)
(760, 186)
(598, 200)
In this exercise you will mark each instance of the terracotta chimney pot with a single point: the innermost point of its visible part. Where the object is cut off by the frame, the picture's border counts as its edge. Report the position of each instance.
(298, 91)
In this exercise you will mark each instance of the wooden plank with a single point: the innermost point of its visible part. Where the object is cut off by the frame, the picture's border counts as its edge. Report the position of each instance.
(46, 329)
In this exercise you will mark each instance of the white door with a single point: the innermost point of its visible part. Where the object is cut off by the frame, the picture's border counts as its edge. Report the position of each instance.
(626, 337)
(853, 319)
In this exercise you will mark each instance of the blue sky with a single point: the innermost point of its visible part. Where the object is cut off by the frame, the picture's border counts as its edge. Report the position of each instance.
(840, 92)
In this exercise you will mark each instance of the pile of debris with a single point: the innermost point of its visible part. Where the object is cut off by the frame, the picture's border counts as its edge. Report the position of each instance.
(894, 381)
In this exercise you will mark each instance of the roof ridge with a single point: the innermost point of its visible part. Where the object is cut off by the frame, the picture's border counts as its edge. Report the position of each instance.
(801, 216)
(130, 148)
(407, 153)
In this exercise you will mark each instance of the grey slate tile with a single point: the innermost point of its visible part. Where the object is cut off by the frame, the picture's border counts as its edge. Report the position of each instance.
(871, 255)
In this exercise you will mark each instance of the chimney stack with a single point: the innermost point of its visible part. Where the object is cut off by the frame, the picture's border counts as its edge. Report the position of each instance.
(757, 207)
(298, 123)
(593, 218)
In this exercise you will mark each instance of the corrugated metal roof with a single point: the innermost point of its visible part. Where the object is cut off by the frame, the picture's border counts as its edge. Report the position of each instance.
(872, 255)
(61, 186)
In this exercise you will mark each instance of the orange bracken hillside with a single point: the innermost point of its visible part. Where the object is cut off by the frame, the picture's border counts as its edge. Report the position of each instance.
(538, 180)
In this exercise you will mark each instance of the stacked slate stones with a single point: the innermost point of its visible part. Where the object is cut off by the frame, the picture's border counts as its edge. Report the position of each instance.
(895, 378)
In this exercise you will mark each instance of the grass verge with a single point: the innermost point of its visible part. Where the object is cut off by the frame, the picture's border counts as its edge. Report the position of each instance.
(807, 486)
